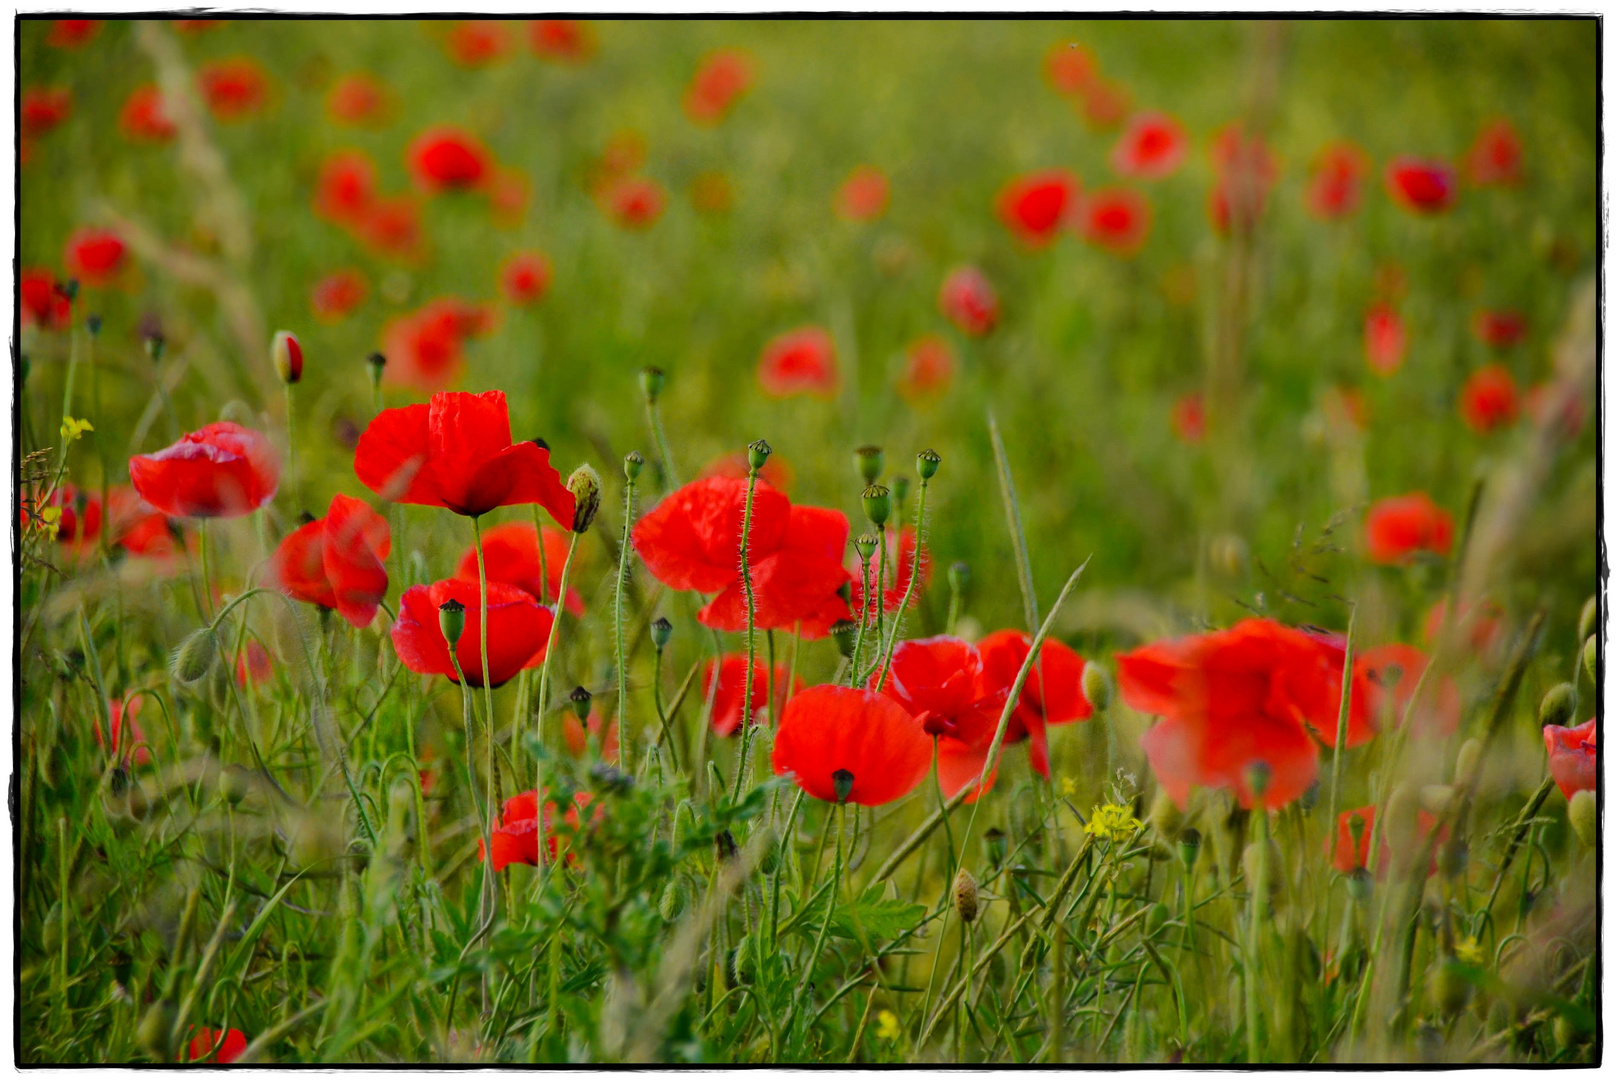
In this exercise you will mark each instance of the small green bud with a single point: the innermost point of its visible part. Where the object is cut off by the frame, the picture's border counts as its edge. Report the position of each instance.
(1258, 776)
(869, 461)
(452, 621)
(1360, 885)
(580, 699)
(926, 463)
(843, 630)
(1584, 814)
(287, 353)
(377, 363)
(584, 483)
(673, 900)
(1557, 705)
(633, 462)
(900, 491)
(195, 656)
(842, 781)
(661, 631)
(757, 454)
(965, 896)
(1588, 619)
(959, 575)
(1590, 658)
(234, 784)
(866, 545)
(1464, 766)
(93, 325)
(877, 504)
(1189, 846)
(1097, 687)
(651, 383)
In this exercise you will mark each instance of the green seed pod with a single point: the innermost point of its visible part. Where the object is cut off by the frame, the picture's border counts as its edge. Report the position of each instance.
(1189, 846)
(877, 504)
(1588, 619)
(376, 363)
(155, 1034)
(651, 382)
(865, 545)
(965, 896)
(195, 657)
(869, 461)
(926, 463)
(1583, 811)
(757, 454)
(1590, 658)
(633, 462)
(661, 631)
(843, 631)
(452, 621)
(1360, 885)
(842, 781)
(1449, 987)
(584, 483)
(1097, 687)
(1464, 766)
(580, 699)
(287, 354)
(1557, 705)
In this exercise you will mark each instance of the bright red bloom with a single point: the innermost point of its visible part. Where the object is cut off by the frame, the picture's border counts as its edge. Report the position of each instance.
(448, 158)
(359, 99)
(1573, 756)
(234, 88)
(634, 202)
(1069, 67)
(1189, 418)
(732, 682)
(1501, 329)
(1335, 189)
(337, 561)
(1246, 172)
(1539, 405)
(476, 43)
(1116, 219)
(1395, 670)
(900, 568)
(1398, 526)
(142, 118)
(939, 682)
(1053, 693)
(723, 78)
(72, 33)
(43, 108)
(425, 348)
(1489, 399)
(222, 470)
(1036, 206)
(511, 556)
(800, 361)
(335, 296)
(577, 736)
(346, 188)
(928, 369)
(1495, 156)
(776, 472)
(565, 40)
(800, 581)
(1385, 339)
(41, 301)
(968, 301)
(829, 729)
(456, 452)
(1422, 186)
(1104, 104)
(391, 227)
(863, 195)
(1151, 148)
(518, 628)
(525, 277)
(254, 666)
(95, 256)
(216, 1045)
(137, 528)
(515, 837)
(1345, 855)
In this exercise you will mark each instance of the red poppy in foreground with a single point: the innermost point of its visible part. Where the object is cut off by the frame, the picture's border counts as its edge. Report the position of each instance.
(1116, 219)
(1189, 419)
(478, 42)
(1573, 756)
(515, 837)
(900, 568)
(1335, 190)
(42, 301)
(456, 452)
(1422, 186)
(863, 195)
(511, 556)
(126, 731)
(72, 33)
(1069, 68)
(731, 685)
(1500, 329)
(142, 118)
(1395, 670)
(43, 108)
(837, 740)
(425, 349)
(335, 296)
(941, 684)
(359, 100)
(1495, 156)
(968, 301)
(1151, 148)
(634, 202)
(337, 561)
(234, 88)
(217, 1046)
(565, 40)
(95, 256)
(1385, 339)
(346, 188)
(1053, 693)
(800, 361)
(222, 470)
(1489, 399)
(518, 628)
(721, 80)
(525, 277)
(928, 369)
(1035, 207)
(447, 158)
(1398, 526)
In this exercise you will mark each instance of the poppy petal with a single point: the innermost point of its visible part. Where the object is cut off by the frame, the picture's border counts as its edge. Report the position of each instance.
(353, 558)
(392, 458)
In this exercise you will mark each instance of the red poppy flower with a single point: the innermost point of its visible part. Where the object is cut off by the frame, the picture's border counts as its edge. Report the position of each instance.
(1069, 68)
(515, 837)
(1053, 693)
(137, 528)
(1246, 172)
(222, 470)
(447, 158)
(391, 227)
(1347, 856)
(216, 1045)
(1152, 147)
(1345, 407)
(731, 683)
(359, 99)
(1116, 219)
(577, 736)
(42, 303)
(95, 256)
(1501, 329)
(940, 682)
(1189, 419)
(508, 193)
(634, 202)
(456, 452)
(234, 88)
(346, 188)
(1482, 625)
(829, 729)
(900, 568)
(1394, 671)
(43, 108)
(800, 361)
(525, 277)
(1385, 339)
(776, 472)
(72, 33)
(511, 556)
(1495, 156)
(1397, 527)
(142, 118)
(425, 349)
(722, 79)
(1104, 104)
(335, 296)
(78, 518)
(1489, 399)
(800, 581)
(126, 731)
(336, 561)
(968, 301)
(1422, 186)
(1573, 756)
(518, 628)
(692, 540)
(1335, 190)
(476, 43)
(1568, 418)
(1035, 207)
(254, 666)
(928, 369)
(565, 40)
(711, 193)
(623, 156)
(863, 195)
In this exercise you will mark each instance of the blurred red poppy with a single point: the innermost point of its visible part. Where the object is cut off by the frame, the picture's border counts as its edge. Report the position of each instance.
(137, 527)
(1481, 625)
(1495, 156)
(456, 452)
(234, 88)
(72, 33)
(346, 188)
(95, 256)
(77, 517)
(577, 736)
(511, 556)
(1335, 189)
(968, 301)
(359, 99)
(800, 361)
(623, 155)
(515, 837)
(732, 683)
(1069, 68)
(518, 628)
(939, 682)
(126, 732)
(43, 108)
(508, 194)
(1394, 671)
(425, 349)
(1385, 339)
(900, 568)
(142, 118)
(216, 1045)
(337, 561)
(335, 296)
(723, 77)
(1189, 419)
(391, 228)
(1116, 219)
(928, 369)
(1500, 329)
(41, 301)
(1422, 186)
(1151, 147)
(776, 472)
(634, 202)
(826, 730)
(525, 277)
(254, 666)
(863, 195)
(1399, 526)
(565, 40)
(1573, 756)
(1103, 103)
(1035, 207)
(1489, 399)
(447, 158)
(476, 43)
(221, 470)
(1246, 172)
(1053, 693)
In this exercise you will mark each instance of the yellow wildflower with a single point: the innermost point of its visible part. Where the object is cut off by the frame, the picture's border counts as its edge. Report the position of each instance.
(886, 1026)
(1469, 951)
(1112, 822)
(1068, 786)
(73, 430)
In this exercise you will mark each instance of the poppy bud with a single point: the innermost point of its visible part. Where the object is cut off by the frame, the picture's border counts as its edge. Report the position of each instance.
(195, 656)
(965, 898)
(661, 631)
(154, 347)
(633, 462)
(1450, 986)
(584, 483)
(233, 784)
(1310, 796)
(842, 631)
(1360, 885)
(651, 380)
(926, 463)
(757, 454)
(156, 1031)
(452, 621)
(287, 353)
(1436, 797)
(376, 362)
(959, 576)
(1464, 766)
(1557, 705)
(877, 504)
(580, 699)
(900, 492)
(1588, 618)
(1590, 658)
(866, 544)
(69, 289)
(1096, 687)
(1156, 918)
(93, 324)
(1584, 814)
(673, 900)
(1189, 846)
(842, 781)
(869, 461)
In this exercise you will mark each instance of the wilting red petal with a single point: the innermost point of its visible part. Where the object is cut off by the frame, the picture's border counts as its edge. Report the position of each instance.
(222, 470)
(825, 729)
(1398, 526)
(692, 539)
(1573, 756)
(518, 628)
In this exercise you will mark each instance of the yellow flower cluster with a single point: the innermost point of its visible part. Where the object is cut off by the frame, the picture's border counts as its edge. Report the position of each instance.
(1112, 822)
(73, 430)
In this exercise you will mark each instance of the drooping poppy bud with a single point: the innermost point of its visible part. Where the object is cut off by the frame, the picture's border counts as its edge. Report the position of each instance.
(1590, 658)
(287, 353)
(195, 656)
(1557, 705)
(584, 483)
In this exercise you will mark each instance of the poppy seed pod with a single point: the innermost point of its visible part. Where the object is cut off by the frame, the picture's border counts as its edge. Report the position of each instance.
(580, 699)
(869, 461)
(1097, 687)
(633, 462)
(757, 454)
(584, 483)
(195, 656)
(965, 896)
(877, 504)
(900, 492)
(1557, 705)
(377, 364)
(865, 545)
(287, 353)
(959, 576)
(154, 347)
(1189, 847)
(661, 631)
(93, 325)
(1360, 885)
(842, 631)
(1584, 814)
(651, 382)
(1589, 617)
(842, 782)
(452, 620)
(926, 463)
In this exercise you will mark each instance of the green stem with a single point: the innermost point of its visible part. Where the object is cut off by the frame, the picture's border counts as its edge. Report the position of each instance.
(291, 453)
(662, 444)
(544, 688)
(1259, 899)
(624, 740)
(864, 619)
(751, 634)
(909, 590)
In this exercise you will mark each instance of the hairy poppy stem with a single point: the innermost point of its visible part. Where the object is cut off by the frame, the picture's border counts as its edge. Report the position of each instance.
(909, 590)
(488, 690)
(544, 569)
(291, 451)
(751, 633)
(864, 619)
(544, 691)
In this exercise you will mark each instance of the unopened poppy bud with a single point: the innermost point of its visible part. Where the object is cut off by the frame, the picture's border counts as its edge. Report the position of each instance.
(869, 461)
(580, 699)
(1189, 846)
(1436, 797)
(1557, 705)
(287, 353)
(1590, 658)
(233, 784)
(673, 900)
(1097, 687)
(661, 631)
(195, 656)
(959, 575)
(377, 363)
(584, 483)
(154, 347)
(1360, 885)
(926, 463)
(877, 504)
(842, 630)
(452, 620)
(1450, 986)
(1584, 814)
(900, 492)
(633, 462)
(1310, 796)
(69, 289)
(965, 896)
(93, 325)
(651, 381)
(1258, 776)
(1589, 617)
(842, 781)
(1464, 765)
(757, 454)
(865, 545)
(1156, 918)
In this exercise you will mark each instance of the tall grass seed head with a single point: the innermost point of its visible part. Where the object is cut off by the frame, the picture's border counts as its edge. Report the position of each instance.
(584, 483)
